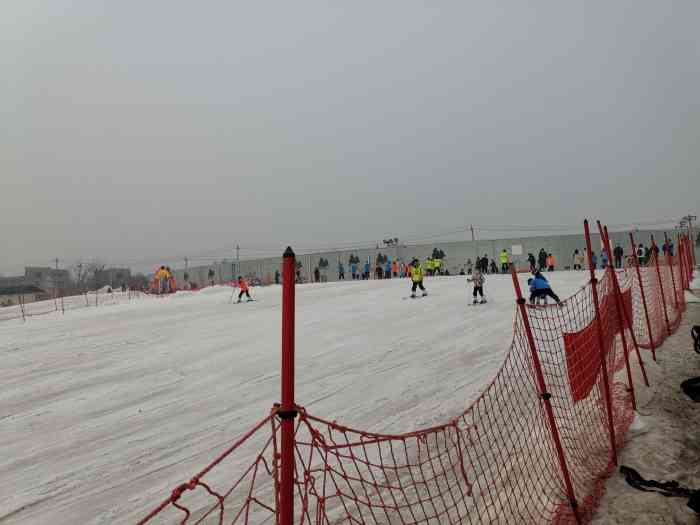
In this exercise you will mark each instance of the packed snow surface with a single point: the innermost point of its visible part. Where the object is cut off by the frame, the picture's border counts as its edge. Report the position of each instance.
(104, 410)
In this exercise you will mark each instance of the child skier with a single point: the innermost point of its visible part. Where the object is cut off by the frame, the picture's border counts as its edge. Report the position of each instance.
(478, 279)
(540, 287)
(243, 286)
(417, 278)
(534, 298)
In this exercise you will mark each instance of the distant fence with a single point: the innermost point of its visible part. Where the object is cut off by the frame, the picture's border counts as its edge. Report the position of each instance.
(535, 447)
(456, 255)
(62, 304)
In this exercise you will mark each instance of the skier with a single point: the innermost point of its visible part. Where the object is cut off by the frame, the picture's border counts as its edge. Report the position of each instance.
(578, 260)
(494, 268)
(503, 257)
(277, 276)
(243, 285)
(417, 278)
(365, 275)
(353, 270)
(604, 258)
(478, 279)
(541, 287)
(470, 266)
(533, 298)
(387, 269)
(341, 271)
(211, 276)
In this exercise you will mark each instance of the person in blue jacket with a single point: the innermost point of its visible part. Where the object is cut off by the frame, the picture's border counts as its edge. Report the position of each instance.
(353, 271)
(539, 287)
(387, 269)
(365, 275)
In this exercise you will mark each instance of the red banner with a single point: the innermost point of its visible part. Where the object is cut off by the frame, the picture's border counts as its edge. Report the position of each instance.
(583, 350)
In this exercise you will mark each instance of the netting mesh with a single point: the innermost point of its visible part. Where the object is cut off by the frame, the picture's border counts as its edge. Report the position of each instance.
(497, 462)
(61, 304)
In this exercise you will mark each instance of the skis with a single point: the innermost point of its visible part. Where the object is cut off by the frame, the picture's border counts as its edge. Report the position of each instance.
(243, 302)
(415, 297)
(484, 301)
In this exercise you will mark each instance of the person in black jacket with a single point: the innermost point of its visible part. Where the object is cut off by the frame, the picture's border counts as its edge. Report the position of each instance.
(542, 259)
(618, 252)
(532, 261)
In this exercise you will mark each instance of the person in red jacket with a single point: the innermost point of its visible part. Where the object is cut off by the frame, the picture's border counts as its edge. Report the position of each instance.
(243, 286)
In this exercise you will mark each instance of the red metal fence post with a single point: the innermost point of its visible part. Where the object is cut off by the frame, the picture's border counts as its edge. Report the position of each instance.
(644, 297)
(621, 319)
(681, 260)
(688, 262)
(669, 259)
(601, 343)
(654, 254)
(623, 314)
(544, 395)
(287, 411)
(690, 256)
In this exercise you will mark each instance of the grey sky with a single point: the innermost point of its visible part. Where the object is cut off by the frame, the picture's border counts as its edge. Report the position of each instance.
(138, 130)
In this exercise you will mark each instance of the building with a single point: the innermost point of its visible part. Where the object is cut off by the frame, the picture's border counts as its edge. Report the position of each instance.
(20, 293)
(46, 278)
(113, 277)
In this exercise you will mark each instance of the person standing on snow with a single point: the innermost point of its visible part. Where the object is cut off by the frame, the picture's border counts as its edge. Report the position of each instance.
(341, 271)
(478, 279)
(211, 276)
(243, 286)
(387, 269)
(618, 252)
(353, 271)
(542, 288)
(551, 262)
(365, 274)
(542, 259)
(532, 261)
(503, 258)
(417, 278)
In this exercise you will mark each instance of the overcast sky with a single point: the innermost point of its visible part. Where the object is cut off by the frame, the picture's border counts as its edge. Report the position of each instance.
(134, 131)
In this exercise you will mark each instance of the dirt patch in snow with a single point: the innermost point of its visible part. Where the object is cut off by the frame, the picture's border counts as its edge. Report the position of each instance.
(664, 441)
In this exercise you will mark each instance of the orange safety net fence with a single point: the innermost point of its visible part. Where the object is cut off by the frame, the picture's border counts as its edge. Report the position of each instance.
(503, 460)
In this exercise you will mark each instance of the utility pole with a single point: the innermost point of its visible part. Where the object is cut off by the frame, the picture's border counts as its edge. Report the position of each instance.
(476, 250)
(55, 280)
(238, 259)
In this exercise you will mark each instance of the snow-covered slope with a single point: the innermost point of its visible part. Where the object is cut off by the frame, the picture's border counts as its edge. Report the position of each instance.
(104, 410)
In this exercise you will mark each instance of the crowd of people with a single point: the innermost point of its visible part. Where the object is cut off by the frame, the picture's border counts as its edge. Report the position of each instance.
(386, 268)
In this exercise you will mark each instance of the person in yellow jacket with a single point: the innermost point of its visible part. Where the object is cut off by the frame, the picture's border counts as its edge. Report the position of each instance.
(417, 278)
(503, 257)
(161, 280)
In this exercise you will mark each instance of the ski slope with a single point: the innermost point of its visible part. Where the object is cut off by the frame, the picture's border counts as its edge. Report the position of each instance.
(104, 410)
